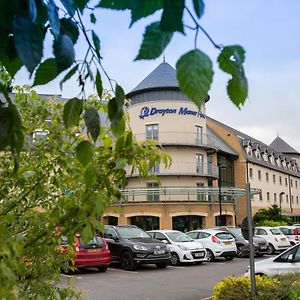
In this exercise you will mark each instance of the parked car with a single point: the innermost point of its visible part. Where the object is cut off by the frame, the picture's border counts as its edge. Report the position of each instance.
(260, 244)
(276, 240)
(286, 262)
(131, 246)
(183, 249)
(292, 233)
(93, 254)
(218, 243)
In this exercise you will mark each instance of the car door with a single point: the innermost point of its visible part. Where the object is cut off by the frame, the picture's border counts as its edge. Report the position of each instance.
(114, 245)
(289, 261)
(162, 237)
(203, 239)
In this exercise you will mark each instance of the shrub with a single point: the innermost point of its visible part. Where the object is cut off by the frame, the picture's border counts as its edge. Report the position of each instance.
(280, 287)
(272, 223)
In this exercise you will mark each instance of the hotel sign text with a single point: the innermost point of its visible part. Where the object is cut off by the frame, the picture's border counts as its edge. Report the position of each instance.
(146, 112)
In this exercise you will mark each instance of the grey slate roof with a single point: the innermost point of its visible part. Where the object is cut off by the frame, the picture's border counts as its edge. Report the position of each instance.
(280, 145)
(215, 140)
(164, 76)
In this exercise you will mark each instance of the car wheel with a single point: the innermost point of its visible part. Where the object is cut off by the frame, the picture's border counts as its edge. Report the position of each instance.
(127, 261)
(209, 255)
(174, 261)
(229, 257)
(102, 269)
(239, 252)
(271, 249)
(162, 265)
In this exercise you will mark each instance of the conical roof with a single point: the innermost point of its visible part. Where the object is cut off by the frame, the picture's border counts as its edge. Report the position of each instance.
(280, 145)
(163, 77)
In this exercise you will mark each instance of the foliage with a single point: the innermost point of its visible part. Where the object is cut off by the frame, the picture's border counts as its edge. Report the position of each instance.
(65, 180)
(25, 25)
(268, 223)
(277, 288)
(271, 214)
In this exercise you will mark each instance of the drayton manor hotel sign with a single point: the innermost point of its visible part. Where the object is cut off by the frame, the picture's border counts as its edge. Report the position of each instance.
(147, 111)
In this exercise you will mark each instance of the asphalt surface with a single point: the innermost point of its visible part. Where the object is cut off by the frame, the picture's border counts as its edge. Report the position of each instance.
(185, 282)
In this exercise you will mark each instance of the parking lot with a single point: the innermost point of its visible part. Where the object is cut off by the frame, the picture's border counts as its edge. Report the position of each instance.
(186, 282)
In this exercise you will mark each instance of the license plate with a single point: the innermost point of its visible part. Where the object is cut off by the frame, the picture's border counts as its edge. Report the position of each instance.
(199, 254)
(93, 250)
(159, 252)
(228, 243)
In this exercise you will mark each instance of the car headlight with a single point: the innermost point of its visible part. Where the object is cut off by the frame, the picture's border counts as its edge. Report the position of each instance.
(139, 247)
(183, 248)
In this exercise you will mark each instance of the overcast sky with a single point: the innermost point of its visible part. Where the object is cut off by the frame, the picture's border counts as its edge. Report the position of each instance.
(269, 30)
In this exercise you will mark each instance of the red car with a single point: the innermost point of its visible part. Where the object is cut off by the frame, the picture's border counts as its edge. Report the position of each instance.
(93, 254)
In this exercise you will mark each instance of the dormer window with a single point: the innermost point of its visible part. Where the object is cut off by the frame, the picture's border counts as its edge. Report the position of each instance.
(272, 159)
(249, 150)
(257, 153)
(284, 164)
(278, 162)
(265, 156)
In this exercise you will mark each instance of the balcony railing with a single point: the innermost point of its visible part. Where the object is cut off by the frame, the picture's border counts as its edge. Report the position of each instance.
(182, 138)
(184, 194)
(183, 168)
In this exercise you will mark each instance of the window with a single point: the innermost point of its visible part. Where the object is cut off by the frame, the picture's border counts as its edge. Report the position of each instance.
(297, 199)
(286, 182)
(292, 199)
(200, 195)
(152, 132)
(291, 182)
(199, 164)
(260, 197)
(296, 184)
(160, 236)
(275, 198)
(259, 174)
(274, 178)
(280, 180)
(155, 168)
(268, 196)
(267, 177)
(193, 235)
(199, 133)
(251, 173)
(287, 199)
(152, 195)
(260, 231)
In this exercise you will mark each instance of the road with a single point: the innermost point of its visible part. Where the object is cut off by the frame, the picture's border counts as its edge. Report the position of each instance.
(187, 282)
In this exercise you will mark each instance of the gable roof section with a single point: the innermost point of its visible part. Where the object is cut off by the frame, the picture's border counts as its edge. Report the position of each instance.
(280, 145)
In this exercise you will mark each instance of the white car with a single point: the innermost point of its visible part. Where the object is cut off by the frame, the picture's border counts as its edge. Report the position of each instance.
(276, 240)
(217, 243)
(183, 249)
(292, 233)
(286, 262)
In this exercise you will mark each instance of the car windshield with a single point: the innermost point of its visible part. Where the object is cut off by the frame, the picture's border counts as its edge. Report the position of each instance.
(276, 231)
(132, 232)
(236, 231)
(95, 242)
(224, 236)
(177, 236)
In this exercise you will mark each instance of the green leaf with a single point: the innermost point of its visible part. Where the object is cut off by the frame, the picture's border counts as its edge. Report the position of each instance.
(237, 90)
(28, 42)
(81, 4)
(120, 97)
(141, 9)
(92, 122)
(118, 127)
(171, 19)
(99, 86)
(32, 10)
(231, 61)
(68, 75)
(12, 66)
(70, 7)
(72, 112)
(194, 74)
(6, 124)
(90, 176)
(115, 4)
(96, 42)
(154, 42)
(93, 18)
(87, 233)
(120, 163)
(68, 27)
(64, 52)
(46, 72)
(84, 153)
(53, 18)
(198, 7)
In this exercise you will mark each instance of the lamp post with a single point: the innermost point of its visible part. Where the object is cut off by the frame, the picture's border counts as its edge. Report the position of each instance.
(220, 167)
(280, 202)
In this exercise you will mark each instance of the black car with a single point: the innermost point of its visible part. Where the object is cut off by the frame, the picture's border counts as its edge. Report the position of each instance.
(242, 245)
(131, 246)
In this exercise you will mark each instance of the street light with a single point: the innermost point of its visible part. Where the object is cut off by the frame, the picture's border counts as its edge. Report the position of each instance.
(220, 167)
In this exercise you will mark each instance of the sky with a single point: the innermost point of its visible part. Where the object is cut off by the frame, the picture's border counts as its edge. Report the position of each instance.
(269, 31)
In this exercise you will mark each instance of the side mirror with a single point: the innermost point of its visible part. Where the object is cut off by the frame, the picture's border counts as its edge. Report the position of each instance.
(112, 237)
(165, 241)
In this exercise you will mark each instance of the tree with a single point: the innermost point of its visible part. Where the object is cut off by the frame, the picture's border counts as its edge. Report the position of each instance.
(24, 25)
(271, 215)
(65, 180)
